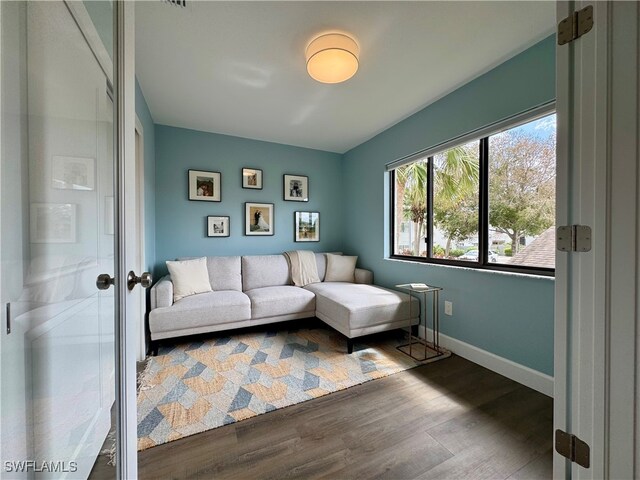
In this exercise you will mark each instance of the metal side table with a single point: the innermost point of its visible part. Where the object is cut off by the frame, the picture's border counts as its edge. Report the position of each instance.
(432, 350)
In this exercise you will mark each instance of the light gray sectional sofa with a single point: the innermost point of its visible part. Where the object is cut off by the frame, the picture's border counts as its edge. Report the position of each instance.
(257, 289)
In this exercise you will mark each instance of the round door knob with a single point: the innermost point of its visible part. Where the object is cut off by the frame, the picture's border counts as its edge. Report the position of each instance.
(144, 280)
(104, 281)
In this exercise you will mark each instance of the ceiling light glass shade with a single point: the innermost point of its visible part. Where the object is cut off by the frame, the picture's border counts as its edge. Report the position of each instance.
(332, 58)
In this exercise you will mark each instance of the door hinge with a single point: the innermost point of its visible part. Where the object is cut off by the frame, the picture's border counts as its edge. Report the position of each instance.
(575, 25)
(573, 238)
(573, 448)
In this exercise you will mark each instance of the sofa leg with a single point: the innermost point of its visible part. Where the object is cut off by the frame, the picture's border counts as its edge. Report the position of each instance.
(153, 348)
(349, 345)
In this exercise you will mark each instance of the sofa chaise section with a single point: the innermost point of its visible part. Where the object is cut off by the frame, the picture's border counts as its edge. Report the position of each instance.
(356, 309)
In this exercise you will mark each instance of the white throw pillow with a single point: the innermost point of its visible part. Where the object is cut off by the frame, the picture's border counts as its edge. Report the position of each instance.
(340, 268)
(189, 277)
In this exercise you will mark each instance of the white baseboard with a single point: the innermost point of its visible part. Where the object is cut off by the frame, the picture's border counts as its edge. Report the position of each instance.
(526, 376)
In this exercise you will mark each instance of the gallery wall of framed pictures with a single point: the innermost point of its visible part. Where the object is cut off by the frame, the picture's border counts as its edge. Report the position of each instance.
(259, 217)
(251, 171)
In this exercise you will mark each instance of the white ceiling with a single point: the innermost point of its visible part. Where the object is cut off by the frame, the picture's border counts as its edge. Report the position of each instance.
(238, 68)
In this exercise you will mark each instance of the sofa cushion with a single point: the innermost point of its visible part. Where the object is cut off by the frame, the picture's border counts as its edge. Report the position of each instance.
(201, 310)
(340, 268)
(225, 273)
(264, 271)
(189, 277)
(283, 300)
(357, 306)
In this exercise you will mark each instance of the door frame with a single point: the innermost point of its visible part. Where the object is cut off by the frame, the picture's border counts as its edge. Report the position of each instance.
(597, 312)
(622, 429)
(582, 280)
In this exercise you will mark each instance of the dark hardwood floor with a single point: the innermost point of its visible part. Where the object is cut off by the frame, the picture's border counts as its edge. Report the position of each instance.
(448, 419)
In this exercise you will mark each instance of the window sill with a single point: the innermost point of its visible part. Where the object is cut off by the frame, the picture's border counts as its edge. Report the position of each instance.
(487, 270)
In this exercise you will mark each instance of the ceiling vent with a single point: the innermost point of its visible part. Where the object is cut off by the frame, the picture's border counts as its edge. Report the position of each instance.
(179, 3)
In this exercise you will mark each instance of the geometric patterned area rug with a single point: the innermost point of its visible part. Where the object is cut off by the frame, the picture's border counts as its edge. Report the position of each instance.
(193, 387)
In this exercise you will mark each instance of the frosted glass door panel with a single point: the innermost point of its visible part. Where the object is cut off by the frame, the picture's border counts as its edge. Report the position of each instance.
(57, 172)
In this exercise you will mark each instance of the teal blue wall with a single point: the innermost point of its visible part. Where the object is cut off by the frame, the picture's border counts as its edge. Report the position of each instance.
(180, 223)
(148, 127)
(508, 315)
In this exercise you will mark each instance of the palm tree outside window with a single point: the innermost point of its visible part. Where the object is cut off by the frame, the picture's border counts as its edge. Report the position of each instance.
(485, 203)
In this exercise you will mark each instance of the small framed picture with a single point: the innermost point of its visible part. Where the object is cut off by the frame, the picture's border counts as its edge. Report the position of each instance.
(53, 223)
(217, 226)
(73, 173)
(204, 186)
(307, 226)
(252, 178)
(296, 188)
(258, 218)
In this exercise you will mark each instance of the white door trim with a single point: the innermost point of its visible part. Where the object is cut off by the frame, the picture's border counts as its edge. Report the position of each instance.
(622, 452)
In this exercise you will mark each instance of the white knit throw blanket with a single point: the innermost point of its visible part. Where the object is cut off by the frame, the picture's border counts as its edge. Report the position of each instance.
(303, 267)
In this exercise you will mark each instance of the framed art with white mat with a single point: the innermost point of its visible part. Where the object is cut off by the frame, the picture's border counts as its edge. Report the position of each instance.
(306, 226)
(258, 219)
(204, 186)
(252, 178)
(296, 188)
(217, 226)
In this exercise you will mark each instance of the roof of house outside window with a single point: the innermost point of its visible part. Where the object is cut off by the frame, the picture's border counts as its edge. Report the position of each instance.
(539, 253)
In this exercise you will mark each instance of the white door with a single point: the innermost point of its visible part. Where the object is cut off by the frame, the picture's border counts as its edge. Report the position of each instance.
(596, 291)
(127, 246)
(58, 232)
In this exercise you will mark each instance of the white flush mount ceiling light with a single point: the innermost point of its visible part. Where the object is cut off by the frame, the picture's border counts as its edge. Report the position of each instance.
(332, 58)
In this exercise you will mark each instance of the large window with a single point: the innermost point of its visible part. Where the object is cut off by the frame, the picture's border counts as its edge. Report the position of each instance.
(489, 203)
